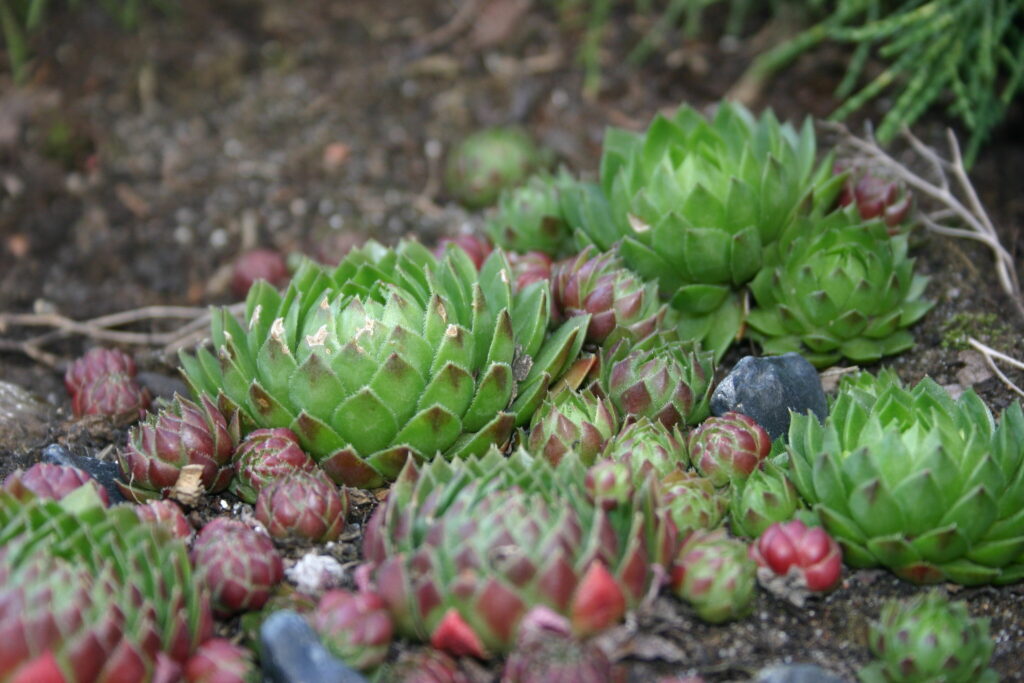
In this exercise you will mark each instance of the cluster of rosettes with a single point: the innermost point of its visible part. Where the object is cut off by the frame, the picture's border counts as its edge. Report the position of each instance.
(102, 382)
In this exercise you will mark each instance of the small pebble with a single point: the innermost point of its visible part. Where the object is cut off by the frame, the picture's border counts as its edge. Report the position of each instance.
(796, 673)
(767, 388)
(291, 651)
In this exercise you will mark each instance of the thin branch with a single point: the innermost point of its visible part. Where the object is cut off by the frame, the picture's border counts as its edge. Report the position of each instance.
(991, 355)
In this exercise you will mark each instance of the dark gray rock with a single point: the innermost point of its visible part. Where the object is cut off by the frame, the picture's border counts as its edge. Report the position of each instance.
(101, 470)
(796, 673)
(290, 651)
(767, 388)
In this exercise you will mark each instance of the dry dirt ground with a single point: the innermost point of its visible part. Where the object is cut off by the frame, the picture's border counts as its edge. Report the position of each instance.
(136, 166)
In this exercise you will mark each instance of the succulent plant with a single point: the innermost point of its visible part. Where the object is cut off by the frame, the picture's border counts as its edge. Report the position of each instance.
(876, 197)
(692, 501)
(392, 355)
(765, 497)
(809, 552)
(489, 161)
(547, 652)
(355, 627)
(695, 201)
(460, 554)
(669, 383)
(620, 304)
(646, 443)
(610, 483)
(258, 264)
(842, 288)
(219, 660)
(304, 506)
(266, 455)
(529, 267)
(102, 382)
(714, 575)
(51, 481)
(529, 217)
(92, 592)
(425, 665)
(928, 638)
(239, 566)
(912, 480)
(572, 421)
(167, 513)
(728, 447)
(476, 247)
(183, 433)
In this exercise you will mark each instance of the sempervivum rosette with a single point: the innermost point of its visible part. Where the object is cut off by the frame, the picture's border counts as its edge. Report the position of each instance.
(714, 575)
(183, 433)
(239, 565)
(487, 162)
(219, 660)
(264, 456)
(355, 627)
(460, 554)
(696, 201)
(529, 217)
(648, 444)
(929, 638)
(96, 591)
(102, 382)
(912, 480)
(621, 304)
(765, 497)
(572, 421)
(842, 288)
(303, 506)
(391, 355)
(728, 447)
(51, 481)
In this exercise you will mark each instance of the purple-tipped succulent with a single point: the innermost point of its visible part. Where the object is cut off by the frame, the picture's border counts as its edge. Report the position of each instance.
(728, 447)
(648, 445)
(355, 627)
(239, 566)
(303, 506)
(476, 246)
(668, 383)
(183, 433)
(572, 421)
(167, 513)
(51, 481)
(426, 665)
(102, 382)
(692, 501)
(715, 576)
(266, 455)
(546, 652)
(529, 267)
(877, 197)
(219, 660)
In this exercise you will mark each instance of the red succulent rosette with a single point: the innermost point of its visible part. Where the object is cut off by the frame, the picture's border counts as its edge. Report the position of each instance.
(51, 481)
(728, 447)
(808, 552)
(355, 627)
(266, 455)
(239, 566)
(303, 506)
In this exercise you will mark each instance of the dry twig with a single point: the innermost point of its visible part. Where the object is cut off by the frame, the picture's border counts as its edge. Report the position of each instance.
(991, 356)
(950, 187)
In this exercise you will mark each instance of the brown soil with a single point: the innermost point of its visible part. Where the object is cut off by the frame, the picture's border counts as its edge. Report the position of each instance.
(135, 167)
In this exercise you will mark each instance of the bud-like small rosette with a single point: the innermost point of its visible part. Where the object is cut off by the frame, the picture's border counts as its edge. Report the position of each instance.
(183, 433)
(547, 652)
(355, 627)
(219, 660)
(529, 267)
(102, 382)
(478, 248)
(303, 506)
(669, 383)
(728, 447)
(572, 421)
(649, 445)
(239, 566)
(692, 501)
(529, 217)
(168, 514)
(51, 481)
(714, 575)
(877, 197)
(266, 455)
(808, 553)
(487, 162)
(766, 496)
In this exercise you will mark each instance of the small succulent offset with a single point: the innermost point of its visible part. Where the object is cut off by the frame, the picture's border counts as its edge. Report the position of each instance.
(572, 421)
(461, 553)
(648, 444)
(692, 501)
(239, 566)
(356, 627)
(714, 575)
(219, 660)
(912, 480)
(547, 652)
(877, 197)
(476, 247)
(696, 201)
(529, 217)
(264, 456)
(765, 497)
(929, 639)
(729, 447)
(489, 161)
(391, 355)
(183, 433)
(167, 513)
(809, 552)
(102, 382)
(52, 482)
(842, 288)
(302, 506)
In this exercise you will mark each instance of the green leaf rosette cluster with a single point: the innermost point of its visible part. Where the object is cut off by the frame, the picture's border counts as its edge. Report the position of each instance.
(391, 355)
(695, 202)
(839, 288)
(912, 480)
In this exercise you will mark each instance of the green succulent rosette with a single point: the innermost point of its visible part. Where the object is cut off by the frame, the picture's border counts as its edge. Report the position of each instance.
(529, 217)
(463, 553)
(489, 161)
(96, 591)
(929, 638)
(912, 480)
(391, 355)
(842, 288)
(572, 421)
(696, 201)
(765, 497)
(715, 575)
(646, 444)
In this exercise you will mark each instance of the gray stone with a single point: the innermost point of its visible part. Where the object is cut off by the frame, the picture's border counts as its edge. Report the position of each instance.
(796, 673)
(103, 471)
(290, 651)
(24, 420)
(767, 388)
